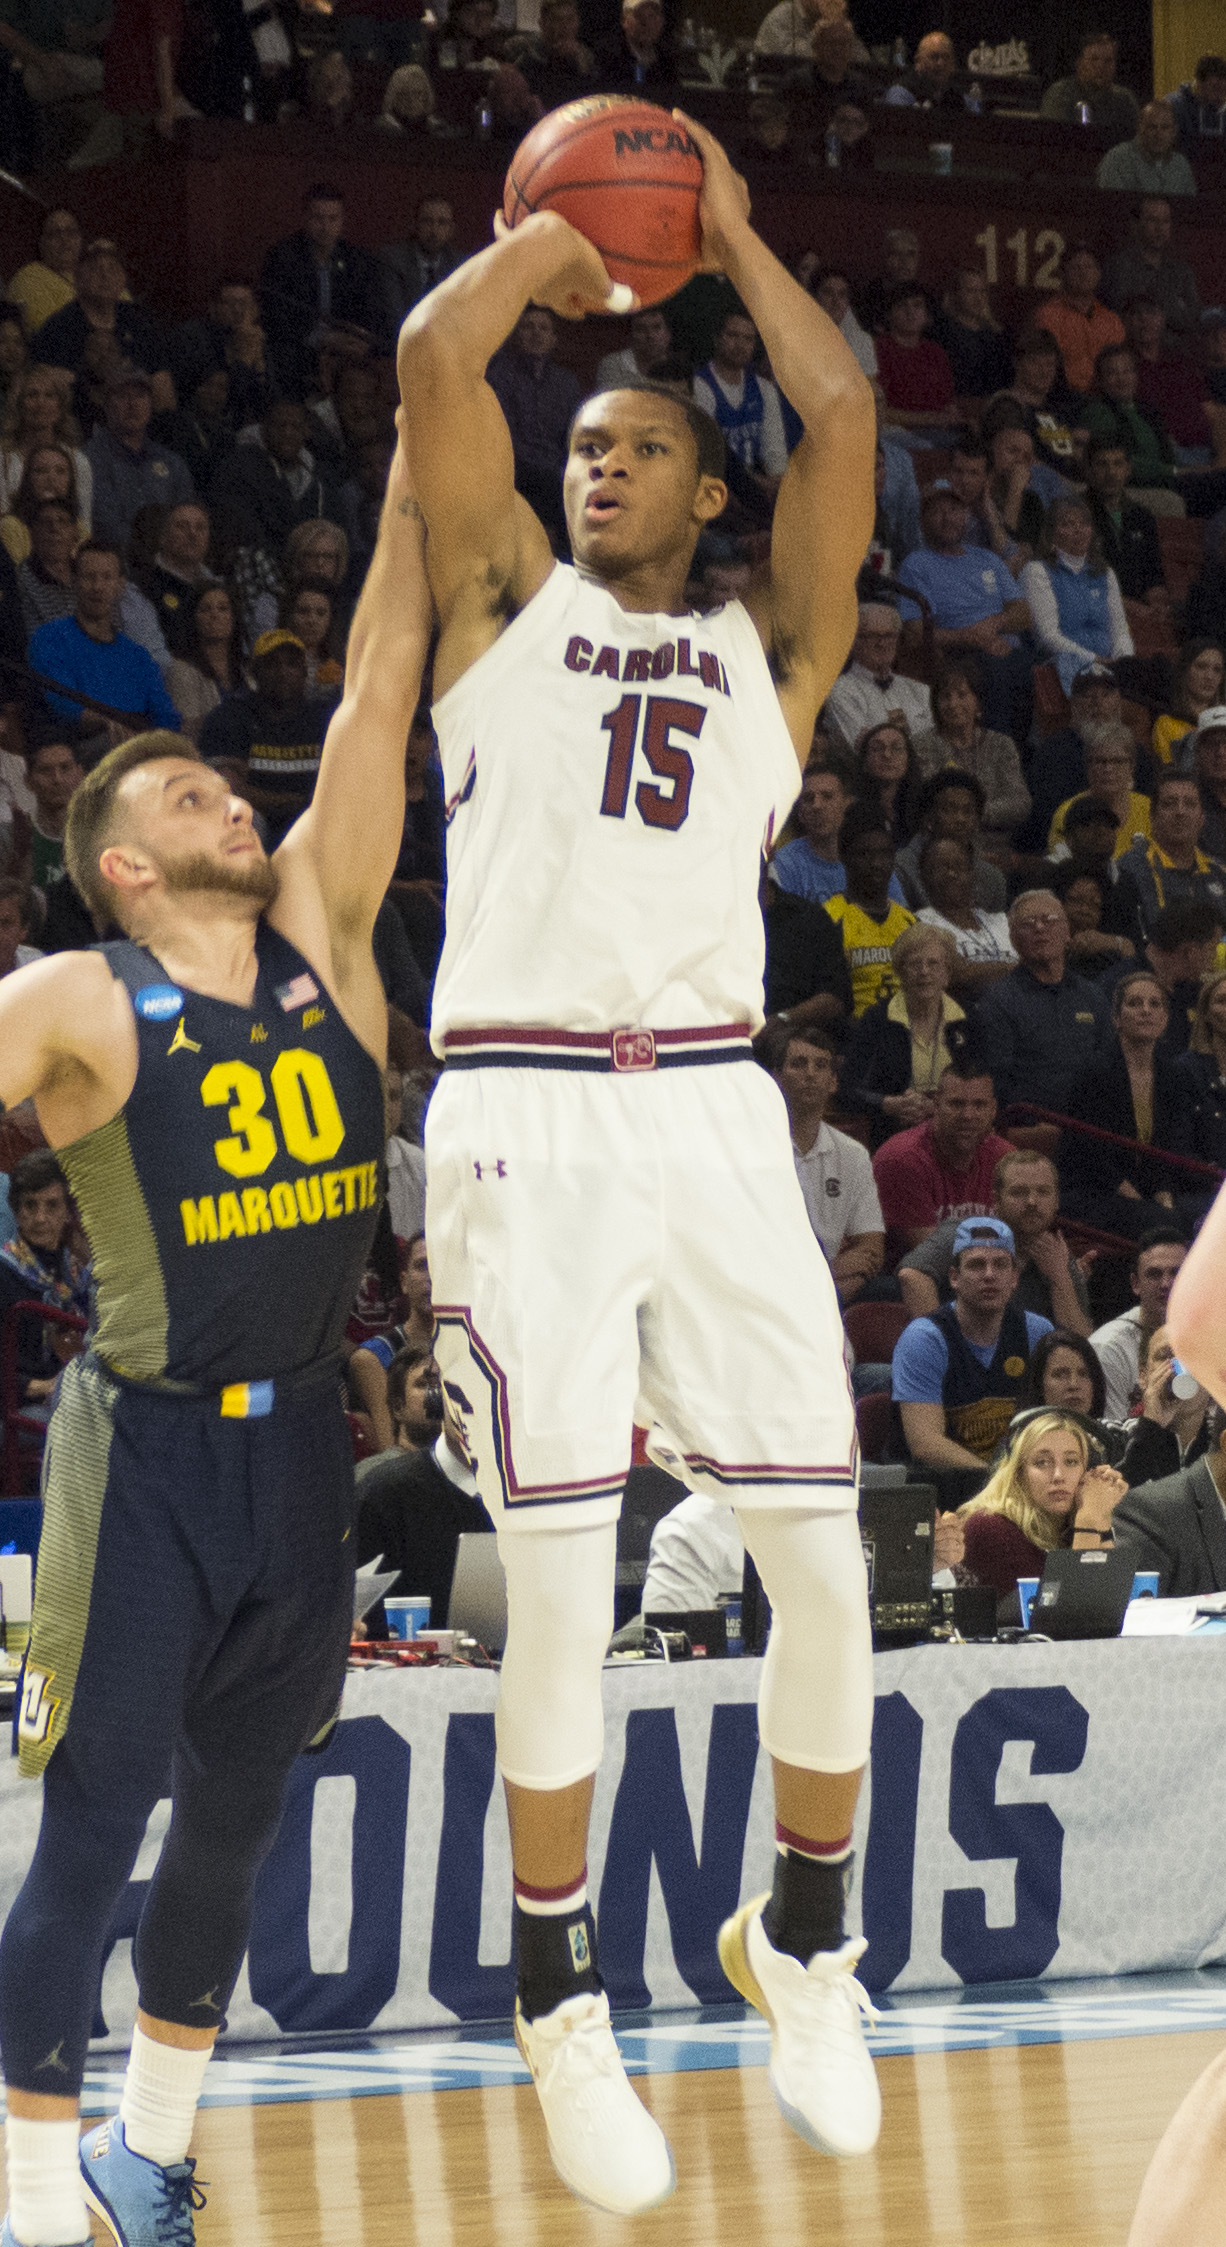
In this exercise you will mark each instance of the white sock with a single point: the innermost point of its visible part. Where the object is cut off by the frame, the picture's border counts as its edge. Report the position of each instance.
(46, 2196)
(161, 2091)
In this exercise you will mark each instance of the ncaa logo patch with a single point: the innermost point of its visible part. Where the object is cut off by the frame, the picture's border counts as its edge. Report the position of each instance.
(580, 1948)
(158, 1001)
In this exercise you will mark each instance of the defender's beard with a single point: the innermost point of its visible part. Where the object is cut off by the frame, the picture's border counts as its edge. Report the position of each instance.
(254, 878)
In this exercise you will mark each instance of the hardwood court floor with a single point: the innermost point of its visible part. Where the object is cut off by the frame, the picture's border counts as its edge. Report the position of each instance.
(1038, 2144)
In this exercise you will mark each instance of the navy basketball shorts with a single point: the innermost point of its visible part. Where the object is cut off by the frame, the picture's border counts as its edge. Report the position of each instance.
(195, 1576)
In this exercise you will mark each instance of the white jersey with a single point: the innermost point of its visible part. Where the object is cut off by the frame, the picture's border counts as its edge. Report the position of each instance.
(611, 781)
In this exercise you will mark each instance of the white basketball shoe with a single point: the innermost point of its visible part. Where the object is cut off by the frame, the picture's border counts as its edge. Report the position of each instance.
(821, 2073)
(602, 2141)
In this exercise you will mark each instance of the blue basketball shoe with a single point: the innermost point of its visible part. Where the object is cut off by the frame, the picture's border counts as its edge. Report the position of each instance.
(140, 2204)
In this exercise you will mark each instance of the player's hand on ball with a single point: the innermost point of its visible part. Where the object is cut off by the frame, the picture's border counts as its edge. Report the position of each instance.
(723, 208)
(580, 283)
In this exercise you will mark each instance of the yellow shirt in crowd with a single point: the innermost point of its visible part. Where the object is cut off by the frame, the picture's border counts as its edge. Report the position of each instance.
(867, 945)
(1136, 822)
(1167, 731)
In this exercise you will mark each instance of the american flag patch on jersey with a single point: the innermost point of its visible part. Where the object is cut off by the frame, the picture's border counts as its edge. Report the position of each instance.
(298, 993)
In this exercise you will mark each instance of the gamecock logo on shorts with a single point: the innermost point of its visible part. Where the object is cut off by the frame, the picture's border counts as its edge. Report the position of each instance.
(633, 1049)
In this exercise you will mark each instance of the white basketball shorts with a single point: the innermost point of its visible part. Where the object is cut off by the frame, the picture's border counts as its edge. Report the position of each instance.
(606, 1248)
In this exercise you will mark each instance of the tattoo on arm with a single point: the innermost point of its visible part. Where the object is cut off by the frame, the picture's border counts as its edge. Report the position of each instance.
(410, 508)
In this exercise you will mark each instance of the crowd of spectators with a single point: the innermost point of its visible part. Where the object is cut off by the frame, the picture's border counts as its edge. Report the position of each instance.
(994, 928)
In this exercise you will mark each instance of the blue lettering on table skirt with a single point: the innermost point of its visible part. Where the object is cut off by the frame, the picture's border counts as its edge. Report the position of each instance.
(1029, 1832)
(889, 1853)
(651, 1822)
(457, 1978)
(369, 1751)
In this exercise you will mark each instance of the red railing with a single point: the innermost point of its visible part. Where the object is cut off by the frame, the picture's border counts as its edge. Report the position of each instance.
(1021, 1111)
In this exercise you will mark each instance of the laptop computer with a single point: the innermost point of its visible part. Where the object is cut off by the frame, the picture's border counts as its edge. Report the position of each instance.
(1083, 1595)
(478, 1603)
(896, 1527)
(896, 1530)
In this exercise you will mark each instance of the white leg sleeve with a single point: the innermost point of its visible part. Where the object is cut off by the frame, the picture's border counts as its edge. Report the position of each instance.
(816, 1704)
(550, 1717)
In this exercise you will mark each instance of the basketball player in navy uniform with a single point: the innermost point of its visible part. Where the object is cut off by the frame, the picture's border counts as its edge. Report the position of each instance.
(614, 1214)
(212, 1086)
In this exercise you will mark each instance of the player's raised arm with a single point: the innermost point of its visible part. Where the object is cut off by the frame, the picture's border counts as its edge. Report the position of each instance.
(1194, 1314)
(806, 609)
(346, 844)
(487, 554)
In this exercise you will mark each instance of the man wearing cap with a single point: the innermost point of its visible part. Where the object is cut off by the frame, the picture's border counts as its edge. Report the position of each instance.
(1058, 767)
(276, 734)
(957, 1375)
(1091, 830)
(1026, 1198)
(130, 470)
(1207, 749)
(945, 1167)
(975, 604)
(103, 307)
(871, 691)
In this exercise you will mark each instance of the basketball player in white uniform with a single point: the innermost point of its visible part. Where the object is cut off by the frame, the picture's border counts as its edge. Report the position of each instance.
(614, 1218)
(1183, 2198)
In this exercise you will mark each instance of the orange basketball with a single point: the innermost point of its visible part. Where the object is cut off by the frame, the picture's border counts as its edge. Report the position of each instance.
(627, 176)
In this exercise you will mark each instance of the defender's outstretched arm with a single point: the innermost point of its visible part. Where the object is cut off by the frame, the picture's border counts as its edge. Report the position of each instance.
(806, 609)
(348, 839)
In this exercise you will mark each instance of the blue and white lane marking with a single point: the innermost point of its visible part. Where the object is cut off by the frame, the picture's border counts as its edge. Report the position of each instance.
(720, 2037)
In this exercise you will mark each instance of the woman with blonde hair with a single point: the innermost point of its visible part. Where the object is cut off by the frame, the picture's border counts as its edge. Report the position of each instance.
(1199, 1077)
(39, 412)
(899, 1048)
(1051, 1490)
(318, 548)
(408, 102)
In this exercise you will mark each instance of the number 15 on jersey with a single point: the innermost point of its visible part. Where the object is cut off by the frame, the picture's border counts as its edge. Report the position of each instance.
(650, 723)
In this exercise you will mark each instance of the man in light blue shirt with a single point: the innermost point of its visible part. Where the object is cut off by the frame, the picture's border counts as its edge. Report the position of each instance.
(975, 605)
(809, 866)
(957, 1377)
(87, 650)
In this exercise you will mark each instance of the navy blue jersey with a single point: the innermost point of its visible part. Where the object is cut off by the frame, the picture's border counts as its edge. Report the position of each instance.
(230, 1204)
